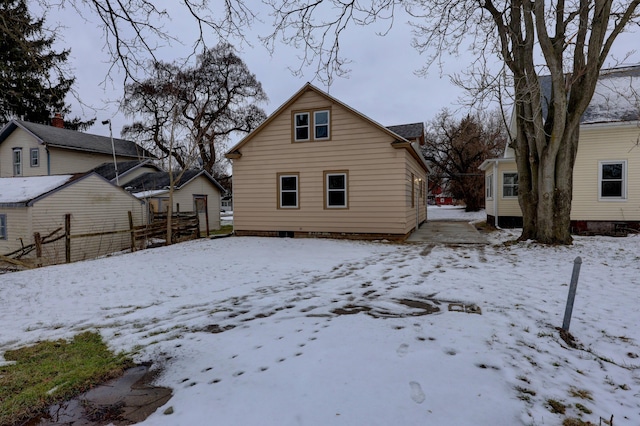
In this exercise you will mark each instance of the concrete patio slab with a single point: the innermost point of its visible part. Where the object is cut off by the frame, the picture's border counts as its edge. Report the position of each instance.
(447, 232)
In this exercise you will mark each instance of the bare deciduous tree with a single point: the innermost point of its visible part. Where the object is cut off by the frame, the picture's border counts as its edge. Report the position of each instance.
(568, 40)
(134, 29)
(206, 104)
(456, 148)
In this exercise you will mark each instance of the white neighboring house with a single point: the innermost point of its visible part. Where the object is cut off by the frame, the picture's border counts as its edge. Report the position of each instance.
(196, 190)
(40, 204)
(606, 175)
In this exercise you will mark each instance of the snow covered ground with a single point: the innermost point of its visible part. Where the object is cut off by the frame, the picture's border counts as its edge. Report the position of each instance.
(269, 331)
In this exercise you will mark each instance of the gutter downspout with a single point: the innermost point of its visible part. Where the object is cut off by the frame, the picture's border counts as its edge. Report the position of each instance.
(495, 193)
(46, 148)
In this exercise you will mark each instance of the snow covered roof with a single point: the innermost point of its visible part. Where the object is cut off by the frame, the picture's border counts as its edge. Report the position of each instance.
(616, 97)
(25, 189)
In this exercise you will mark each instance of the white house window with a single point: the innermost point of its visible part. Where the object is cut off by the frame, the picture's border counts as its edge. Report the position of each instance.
(288, 191)
(301, 127)
(3, 226)
(336, 190)
(321, 124)
(17, 161)
(488, 187)
(35, 157)
(612, 180)
(510, 185)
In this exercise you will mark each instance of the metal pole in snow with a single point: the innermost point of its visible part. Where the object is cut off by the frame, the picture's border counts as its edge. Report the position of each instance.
(572, 293)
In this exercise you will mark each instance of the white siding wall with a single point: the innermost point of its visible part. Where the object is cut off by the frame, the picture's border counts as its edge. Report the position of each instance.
(18, 226)
(95, 206)
(200, 186)
(605, 144)
(21, 139)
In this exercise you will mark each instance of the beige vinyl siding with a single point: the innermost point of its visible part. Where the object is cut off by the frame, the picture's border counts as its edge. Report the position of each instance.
(66, 161)
(18, 226)
(507, 206)
(21, 139)
(376, 176)
(413, 170)
(199, 186)
(606, 143)
(95, 206)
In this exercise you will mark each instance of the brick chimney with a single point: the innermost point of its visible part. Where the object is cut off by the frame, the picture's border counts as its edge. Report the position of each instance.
(57, 121)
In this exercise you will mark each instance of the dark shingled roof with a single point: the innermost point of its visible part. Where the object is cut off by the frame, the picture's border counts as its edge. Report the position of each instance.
(408, 131)
(160, 180)
(71, 139)
(107, 171)
(616, 97)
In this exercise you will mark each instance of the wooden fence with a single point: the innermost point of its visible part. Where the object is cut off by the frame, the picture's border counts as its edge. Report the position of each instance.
(184, 226)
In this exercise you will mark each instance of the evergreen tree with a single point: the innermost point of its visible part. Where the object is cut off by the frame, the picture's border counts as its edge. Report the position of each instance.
(33, 84)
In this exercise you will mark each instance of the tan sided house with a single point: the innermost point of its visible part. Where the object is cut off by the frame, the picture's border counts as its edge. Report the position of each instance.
(318, 168)
(29, 149)
(39, 204)
(606, 175)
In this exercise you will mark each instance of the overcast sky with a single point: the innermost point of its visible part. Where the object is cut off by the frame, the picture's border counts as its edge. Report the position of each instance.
(383, 83)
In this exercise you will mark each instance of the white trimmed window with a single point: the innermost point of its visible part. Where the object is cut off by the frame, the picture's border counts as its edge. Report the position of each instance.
(612, 180)
(510, 185)
(34, 154)
(336, 190)
(3, 226)
(301, 126)
(17, 161)
(488, 186)
(321, 125)
(288, 191)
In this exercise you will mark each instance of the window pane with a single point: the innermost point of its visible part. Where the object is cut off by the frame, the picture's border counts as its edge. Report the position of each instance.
(336, 198)
(302, 133)
(612, 188)
(510, 178)
(322, 132)
(288, 183)
(288, 199)
(321, 117)
(336, 181)
(612, 171)
(302, 120)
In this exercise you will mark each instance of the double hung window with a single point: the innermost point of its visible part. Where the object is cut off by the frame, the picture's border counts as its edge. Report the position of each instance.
(510, 185)
(288, 191)
(612, 180)
(311, 126)
(336, 190)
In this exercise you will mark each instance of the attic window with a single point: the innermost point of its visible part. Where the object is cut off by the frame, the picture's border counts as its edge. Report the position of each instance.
(302, 126)
(17, 161)
(314, 125)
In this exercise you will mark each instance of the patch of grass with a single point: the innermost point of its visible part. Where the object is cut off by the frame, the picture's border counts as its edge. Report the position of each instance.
(572, 421)
(583, 408)
(224, 229)
(51, 372)
(556, 406)
(580, 393)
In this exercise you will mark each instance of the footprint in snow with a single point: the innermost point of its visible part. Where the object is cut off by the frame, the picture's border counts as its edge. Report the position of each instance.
(402, 350)
(416, 392)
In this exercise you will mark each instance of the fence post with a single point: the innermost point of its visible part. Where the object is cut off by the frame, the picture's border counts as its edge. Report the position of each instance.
(572, 293)
(37, 239)
(67, 237)
(133, 237)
